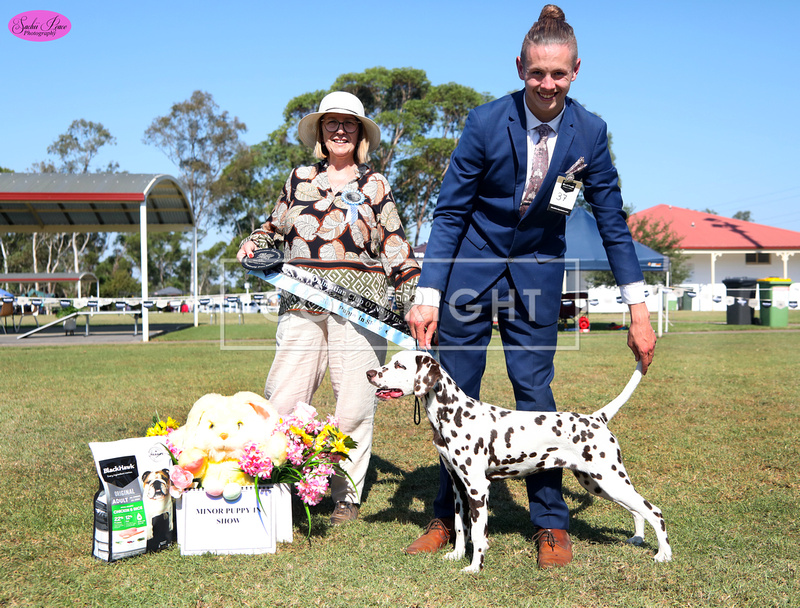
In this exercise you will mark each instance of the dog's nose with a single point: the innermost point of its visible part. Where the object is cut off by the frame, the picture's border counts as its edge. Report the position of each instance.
(371, 373)
(223, 436)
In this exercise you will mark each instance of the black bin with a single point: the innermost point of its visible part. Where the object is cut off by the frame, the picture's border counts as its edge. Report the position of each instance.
(742, 290)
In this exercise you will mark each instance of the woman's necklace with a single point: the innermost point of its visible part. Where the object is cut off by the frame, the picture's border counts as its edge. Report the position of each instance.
(341, 178)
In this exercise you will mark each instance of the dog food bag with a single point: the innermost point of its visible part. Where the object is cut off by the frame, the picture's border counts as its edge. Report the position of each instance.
(133, 509)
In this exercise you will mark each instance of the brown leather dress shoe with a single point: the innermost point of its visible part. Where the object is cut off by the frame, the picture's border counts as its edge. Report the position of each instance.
(555, 547)
(437, 534)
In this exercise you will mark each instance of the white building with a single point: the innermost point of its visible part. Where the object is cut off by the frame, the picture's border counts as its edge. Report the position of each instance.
(719, 247)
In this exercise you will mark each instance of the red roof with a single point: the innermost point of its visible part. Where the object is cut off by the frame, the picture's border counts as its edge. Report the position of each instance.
(698, 230)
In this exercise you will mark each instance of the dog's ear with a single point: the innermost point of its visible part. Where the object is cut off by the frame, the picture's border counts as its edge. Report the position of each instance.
(144, 476)
(428, 375)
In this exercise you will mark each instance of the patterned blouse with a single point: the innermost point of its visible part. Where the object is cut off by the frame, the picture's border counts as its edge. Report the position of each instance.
(353, 238)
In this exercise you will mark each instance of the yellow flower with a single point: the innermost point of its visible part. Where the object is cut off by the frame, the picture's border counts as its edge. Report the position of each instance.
(322, 437)
(162, 428)
(339, 446)
(159, 428)
(307, 439)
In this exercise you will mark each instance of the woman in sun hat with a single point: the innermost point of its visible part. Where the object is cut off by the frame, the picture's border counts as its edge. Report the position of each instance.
(337, 219)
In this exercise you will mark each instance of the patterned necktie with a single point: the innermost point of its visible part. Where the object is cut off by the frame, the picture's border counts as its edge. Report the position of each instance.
(538, 167)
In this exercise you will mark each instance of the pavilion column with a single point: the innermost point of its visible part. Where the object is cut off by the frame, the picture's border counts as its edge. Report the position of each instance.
(143, 234)
(195, 290)
(785, 255)
(714, 258)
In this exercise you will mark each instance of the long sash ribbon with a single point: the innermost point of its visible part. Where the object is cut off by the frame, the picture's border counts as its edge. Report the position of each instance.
(340, 301)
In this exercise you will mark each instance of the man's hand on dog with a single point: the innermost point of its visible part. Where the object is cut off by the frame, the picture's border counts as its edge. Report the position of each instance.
(422, 321)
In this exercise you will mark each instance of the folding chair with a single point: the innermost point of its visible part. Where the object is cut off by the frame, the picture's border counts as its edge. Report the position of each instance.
(6, 311)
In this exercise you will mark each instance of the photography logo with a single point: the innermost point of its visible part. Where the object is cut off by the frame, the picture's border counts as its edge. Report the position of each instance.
(39, 26)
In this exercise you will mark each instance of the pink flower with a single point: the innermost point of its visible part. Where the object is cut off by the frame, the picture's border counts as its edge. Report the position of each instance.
(304, 413)
(312, 489)
(324, 469)
(295, 452)
(255, 462)
(335, 458)
(174, 450)
(181, 479)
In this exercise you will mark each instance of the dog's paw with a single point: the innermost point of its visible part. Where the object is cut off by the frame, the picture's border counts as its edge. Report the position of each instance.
(471, 569)
(635, 540)
(455, 555)
(663, 556)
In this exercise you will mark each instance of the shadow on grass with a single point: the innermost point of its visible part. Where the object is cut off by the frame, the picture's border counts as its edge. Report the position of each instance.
(507, 516)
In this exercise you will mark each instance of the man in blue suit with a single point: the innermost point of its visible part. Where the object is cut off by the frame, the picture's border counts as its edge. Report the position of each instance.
(496, 251)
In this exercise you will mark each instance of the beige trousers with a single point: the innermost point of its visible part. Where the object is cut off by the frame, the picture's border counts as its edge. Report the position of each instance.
(309, 344)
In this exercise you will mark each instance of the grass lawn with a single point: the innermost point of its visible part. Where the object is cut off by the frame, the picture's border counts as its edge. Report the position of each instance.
(710, 436)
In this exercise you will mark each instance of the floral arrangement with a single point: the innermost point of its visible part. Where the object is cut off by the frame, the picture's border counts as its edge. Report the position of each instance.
(302, 450)
(314, 451)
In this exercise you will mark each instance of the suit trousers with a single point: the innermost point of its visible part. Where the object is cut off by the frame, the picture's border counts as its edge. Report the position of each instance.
(308, 345)
(465, 330)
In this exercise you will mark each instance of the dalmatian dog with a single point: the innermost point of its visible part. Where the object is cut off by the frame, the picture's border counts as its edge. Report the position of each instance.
(479, 442)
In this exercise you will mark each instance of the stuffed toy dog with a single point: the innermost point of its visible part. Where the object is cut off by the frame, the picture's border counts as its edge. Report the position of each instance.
(217, 429)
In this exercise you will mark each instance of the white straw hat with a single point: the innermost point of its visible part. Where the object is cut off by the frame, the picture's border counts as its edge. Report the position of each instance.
(338, 102)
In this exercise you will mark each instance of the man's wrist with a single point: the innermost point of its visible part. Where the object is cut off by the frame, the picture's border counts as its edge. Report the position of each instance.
(632, 293)
(639, 312)
(427, 296)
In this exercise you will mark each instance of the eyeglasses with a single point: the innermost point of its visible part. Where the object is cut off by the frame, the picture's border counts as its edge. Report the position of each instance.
(332, 125)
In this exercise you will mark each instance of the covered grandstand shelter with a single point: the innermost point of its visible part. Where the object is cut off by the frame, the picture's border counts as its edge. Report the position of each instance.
(96, 202)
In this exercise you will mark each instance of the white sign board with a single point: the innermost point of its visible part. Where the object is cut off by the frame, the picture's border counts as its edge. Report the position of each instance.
(210, 524)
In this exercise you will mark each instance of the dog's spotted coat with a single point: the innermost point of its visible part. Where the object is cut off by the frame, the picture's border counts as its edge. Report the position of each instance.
(479, 442)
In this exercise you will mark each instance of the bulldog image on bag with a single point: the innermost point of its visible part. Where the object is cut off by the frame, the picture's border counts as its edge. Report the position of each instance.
(157, 507)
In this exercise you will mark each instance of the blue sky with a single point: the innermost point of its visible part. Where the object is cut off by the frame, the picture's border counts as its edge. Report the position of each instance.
(700, 96)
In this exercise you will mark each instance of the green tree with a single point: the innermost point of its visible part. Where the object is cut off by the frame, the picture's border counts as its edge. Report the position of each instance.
(201, 141)
(418, 175)
(167, 257)
(745, 216)
(417, 180)
(115, 274)
(210, 265)
(77, 148)
(659, 236)
(252, 182)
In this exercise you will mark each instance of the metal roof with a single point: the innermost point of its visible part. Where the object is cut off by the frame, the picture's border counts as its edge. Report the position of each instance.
(46, 277)
(702, 231)
(94, 202)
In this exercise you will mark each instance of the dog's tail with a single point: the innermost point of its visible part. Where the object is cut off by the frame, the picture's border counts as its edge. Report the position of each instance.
(607, 412)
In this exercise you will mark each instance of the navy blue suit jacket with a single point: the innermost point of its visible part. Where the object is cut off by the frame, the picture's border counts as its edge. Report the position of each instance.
(477, 233)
